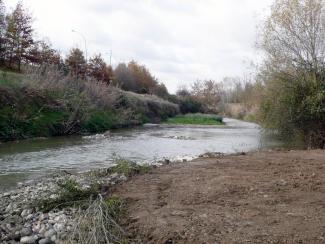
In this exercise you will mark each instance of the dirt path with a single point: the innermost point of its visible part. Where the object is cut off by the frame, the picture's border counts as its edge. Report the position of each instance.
(267, 197)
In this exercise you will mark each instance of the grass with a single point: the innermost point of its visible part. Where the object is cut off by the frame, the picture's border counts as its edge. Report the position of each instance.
(10, 78)
(196, 119)
(70, 194)
(97, 218)
(45, 102)
(129, 168)
(99, 223)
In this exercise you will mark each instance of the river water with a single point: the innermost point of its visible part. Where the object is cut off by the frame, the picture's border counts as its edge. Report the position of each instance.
(25, 160)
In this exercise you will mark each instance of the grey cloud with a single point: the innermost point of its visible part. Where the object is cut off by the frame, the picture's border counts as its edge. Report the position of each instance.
(179, 40)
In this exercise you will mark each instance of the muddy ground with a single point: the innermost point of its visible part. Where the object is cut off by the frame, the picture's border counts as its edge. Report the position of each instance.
(264, 197)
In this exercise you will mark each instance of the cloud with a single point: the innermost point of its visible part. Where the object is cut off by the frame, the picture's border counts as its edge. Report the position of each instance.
(179, 40)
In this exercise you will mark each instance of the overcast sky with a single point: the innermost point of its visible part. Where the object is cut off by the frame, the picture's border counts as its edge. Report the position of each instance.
(180, 41)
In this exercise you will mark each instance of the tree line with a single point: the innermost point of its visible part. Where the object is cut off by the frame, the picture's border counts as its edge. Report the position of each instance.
(19, 48)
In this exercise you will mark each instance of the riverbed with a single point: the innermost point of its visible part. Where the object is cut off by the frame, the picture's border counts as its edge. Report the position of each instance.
(26, 160)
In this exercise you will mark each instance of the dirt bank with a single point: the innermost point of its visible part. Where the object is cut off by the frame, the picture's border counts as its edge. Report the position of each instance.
(265, 197)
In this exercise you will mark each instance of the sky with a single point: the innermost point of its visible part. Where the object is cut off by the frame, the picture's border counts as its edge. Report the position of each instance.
(180, 41)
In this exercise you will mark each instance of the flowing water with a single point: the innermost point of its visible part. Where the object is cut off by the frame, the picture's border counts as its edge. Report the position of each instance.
(25, 160)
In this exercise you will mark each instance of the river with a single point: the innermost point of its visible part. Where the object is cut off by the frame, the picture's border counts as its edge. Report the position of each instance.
(25, 160)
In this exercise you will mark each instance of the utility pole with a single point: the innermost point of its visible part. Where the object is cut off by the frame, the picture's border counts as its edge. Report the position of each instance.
(85, 40)
(110, 57)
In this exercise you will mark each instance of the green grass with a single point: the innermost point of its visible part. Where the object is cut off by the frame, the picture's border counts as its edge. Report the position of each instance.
(196, 119)
(70, 194)
(9, 78)
(129, 168)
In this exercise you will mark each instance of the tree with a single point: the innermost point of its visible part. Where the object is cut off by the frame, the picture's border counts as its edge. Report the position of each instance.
(207, 92)
(19, 36)
(144, 81)
(43, 53)
(160, 90)
(76, 63)
(293, 36)
(98, 69)
(294, 71)
(182, 91)
(124, 78)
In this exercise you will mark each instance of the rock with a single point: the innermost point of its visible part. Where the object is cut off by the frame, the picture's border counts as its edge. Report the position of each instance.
(26, 232)
(53, 238)
(45, 241)
(115, 175)
(50, 233)
(15, 236)
(24, 213)
(9, 207)
(59, 227)
(28, 239)
(29, 217)
(123, 178)
(43, 216)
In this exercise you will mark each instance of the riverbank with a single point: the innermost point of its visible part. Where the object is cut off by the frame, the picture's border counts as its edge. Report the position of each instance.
(47, 104)
(262, 197)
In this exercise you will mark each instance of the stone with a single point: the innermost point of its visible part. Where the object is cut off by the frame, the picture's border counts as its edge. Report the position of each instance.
(50, 233)
(28, 239)
(9, 207)
(26, 232)
(45, 241)
(59, 227)
(29, 217)
(24, 213)
(53, 238)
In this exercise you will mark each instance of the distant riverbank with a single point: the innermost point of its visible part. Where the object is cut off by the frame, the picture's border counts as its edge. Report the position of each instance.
(37, 105)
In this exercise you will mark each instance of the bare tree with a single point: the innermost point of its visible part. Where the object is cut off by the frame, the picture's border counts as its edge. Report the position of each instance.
(294, 74)
(294, 35)
(208, 92)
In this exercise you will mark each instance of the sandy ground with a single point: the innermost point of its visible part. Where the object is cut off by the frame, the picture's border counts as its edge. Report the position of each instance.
(264, 197)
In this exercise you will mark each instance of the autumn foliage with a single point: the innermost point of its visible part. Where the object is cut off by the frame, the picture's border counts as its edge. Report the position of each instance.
(19, 49)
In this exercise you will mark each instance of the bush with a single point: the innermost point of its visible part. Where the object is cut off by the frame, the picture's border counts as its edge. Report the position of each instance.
(298, 109)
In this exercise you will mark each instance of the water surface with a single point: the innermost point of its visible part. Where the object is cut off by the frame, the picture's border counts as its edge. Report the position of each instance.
(24, 160)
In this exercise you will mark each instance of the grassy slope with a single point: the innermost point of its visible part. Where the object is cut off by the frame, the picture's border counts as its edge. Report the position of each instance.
(196, 119)
(29, 111)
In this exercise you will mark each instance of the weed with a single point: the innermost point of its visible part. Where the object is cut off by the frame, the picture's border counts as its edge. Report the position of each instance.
(129, 168)
(70, 194)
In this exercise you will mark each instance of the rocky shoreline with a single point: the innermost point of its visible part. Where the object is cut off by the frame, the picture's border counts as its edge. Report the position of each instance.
(22, 222)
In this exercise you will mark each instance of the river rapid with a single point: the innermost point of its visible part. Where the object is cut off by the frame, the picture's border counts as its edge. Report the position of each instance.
(27, 160)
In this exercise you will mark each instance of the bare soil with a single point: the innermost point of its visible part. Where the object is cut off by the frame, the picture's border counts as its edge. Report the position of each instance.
(263, 197)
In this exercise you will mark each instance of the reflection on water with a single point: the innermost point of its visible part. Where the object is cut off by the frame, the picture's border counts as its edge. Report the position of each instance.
(32, 158)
